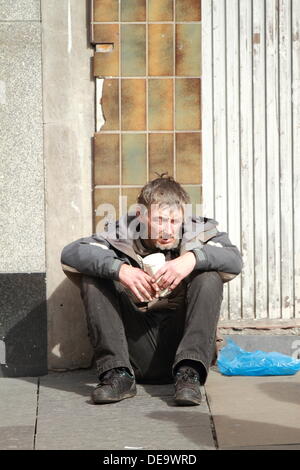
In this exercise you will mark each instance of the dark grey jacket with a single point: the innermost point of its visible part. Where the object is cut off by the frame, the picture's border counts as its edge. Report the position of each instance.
(102, 254)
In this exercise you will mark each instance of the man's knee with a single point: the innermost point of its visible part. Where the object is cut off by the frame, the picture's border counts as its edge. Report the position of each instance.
(88, 282)
(207, 280)
(90, 285)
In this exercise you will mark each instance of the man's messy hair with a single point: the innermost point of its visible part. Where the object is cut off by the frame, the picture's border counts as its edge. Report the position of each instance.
(163, 190)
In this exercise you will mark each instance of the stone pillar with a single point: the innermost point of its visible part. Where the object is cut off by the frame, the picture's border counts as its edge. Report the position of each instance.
(23, 318)
(68, 103)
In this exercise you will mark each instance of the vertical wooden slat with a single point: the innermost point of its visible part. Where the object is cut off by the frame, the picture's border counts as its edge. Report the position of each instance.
(207, 110)
(273, 186)
(246, 130)
(220, 134)
(251, 97)
(286, 179)
(259, 139)
(296, 145)
(233, 144)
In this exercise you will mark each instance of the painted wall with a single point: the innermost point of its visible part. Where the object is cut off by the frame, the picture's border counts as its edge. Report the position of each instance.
(251, 148)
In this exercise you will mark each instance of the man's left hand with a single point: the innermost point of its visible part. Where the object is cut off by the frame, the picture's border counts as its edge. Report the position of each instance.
(172, 273)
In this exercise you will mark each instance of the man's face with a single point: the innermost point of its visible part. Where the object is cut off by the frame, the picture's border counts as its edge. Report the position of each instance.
(164, 224)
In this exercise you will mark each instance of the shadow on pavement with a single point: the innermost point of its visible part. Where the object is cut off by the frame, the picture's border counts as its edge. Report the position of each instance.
(282, 391)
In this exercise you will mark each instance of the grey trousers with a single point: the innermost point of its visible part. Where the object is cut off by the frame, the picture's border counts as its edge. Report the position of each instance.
(151, 344)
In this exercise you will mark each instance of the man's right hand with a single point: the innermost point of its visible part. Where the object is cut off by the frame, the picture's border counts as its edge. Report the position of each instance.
(138, 282)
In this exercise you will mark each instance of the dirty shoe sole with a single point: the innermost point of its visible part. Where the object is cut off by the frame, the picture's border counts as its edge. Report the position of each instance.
(186, 398)
(98, 400)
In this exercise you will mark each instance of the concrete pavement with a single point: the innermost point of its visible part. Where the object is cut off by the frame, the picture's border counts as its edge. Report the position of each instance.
(55, 412)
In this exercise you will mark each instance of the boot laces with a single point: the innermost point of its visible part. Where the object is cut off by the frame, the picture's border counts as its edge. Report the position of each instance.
(188, 375)
(112, 376)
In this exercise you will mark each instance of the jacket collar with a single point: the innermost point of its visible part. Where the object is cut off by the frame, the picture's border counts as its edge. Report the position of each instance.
(122, 233)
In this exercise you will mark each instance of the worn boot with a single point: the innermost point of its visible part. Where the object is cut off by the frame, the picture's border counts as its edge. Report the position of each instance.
(187, 387)
(114, 385)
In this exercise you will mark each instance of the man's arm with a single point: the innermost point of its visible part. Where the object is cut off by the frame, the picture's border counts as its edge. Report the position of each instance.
(91, 256)
(219, 254)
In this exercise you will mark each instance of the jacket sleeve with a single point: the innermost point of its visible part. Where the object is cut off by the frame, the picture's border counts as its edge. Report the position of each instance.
(91, 256)
(218, 254)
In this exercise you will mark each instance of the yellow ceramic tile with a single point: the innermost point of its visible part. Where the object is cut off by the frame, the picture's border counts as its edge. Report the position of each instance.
(106, 159)
(106, 33)
(160, 49)
(160, 10)
(188, 49)
(110, 104)
(188, 158)
(188, 10)
(106, 10)
(188, 104)
(195, 193)
(106, 59)
(133, 10)
(103, 197)
(133, 104)
(133, 50)
(160, 104)
(131, 195)
(161, 149)
(134, 159)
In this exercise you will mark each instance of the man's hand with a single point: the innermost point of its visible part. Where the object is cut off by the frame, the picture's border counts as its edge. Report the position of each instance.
(172, 273)
(138, 282)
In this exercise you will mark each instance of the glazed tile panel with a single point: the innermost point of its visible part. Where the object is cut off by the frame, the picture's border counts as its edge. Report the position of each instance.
(106, 158)
(133, 10)
(104, 196)
(133, 50)
(188, 149)
(161, 49)
(148, 56)
(106, 64)
(160, 104)
(188, 113)
(188, 10)
(188, 47)
(134, 159)
(110, 104)
(105, 10)
(161, 159)
(133, 104)
(160, 10)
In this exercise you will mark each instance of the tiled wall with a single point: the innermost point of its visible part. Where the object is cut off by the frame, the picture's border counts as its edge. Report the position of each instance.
(148, 62)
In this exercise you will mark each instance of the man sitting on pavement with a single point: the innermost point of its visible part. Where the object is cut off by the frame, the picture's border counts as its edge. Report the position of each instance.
(153, 328)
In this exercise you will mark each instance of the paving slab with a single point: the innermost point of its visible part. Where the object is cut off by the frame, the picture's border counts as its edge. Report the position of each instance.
(18, 405)
(252, 412)
(68, 419)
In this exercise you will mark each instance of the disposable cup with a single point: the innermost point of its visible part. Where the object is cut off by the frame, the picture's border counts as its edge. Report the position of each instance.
(152, 263)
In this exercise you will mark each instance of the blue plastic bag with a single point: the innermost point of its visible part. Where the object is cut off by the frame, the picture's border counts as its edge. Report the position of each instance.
(236, 361)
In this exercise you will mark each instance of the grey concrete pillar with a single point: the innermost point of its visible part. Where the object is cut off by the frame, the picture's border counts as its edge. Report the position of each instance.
(23, 320)
(68, 104)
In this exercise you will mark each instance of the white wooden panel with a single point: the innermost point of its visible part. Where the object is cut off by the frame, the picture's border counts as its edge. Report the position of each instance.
(233, 145)
(247, 186)
(296, 145)
(259, 139)
(251, 113)
(220, 135)
(208, 177)
(273, 166)
(286, 178)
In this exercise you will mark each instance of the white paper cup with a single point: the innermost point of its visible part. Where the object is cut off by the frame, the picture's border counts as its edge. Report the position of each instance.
(152, 263)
